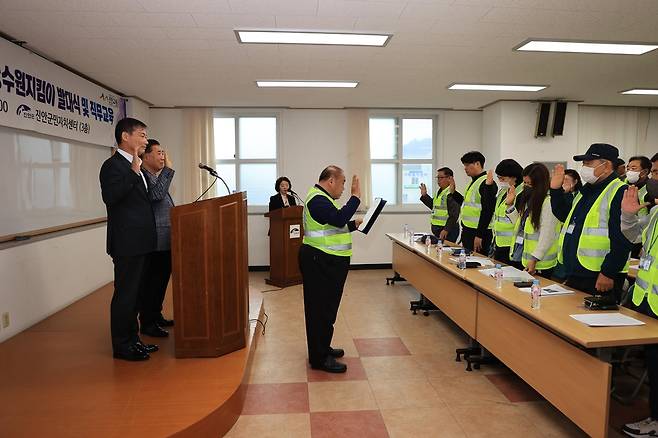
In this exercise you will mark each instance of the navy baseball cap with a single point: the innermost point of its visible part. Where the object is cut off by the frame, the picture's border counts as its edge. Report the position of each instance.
(599, 151)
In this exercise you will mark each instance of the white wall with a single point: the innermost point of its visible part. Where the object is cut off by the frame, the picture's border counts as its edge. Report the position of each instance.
(312, 139)
(42, 277)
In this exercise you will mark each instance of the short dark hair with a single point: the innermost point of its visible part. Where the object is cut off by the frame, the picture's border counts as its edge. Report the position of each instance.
(654, 158)
(447, 171)
(574, 174)
(279, 181)
(511, 168)
(128, 125)
(329, 172)
(645, 162)
(472, 157)
(149, 147)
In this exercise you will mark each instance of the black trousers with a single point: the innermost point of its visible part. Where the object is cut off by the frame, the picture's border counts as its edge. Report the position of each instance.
(651, 354)
(452, 235)
(501, 253)
(588, 284)
(324, 277)
(129, 280)
(468, 237)
(155, 287)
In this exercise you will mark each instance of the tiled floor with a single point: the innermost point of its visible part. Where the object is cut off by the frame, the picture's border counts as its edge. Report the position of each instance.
(402, 378)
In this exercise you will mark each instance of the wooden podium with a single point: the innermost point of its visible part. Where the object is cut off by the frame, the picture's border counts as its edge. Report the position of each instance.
(210, 276)
(286, 233)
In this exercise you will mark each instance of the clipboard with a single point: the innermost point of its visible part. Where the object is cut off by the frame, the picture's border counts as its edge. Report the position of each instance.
(371, 215)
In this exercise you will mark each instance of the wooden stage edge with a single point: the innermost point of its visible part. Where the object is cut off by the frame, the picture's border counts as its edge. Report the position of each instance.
(60, 380)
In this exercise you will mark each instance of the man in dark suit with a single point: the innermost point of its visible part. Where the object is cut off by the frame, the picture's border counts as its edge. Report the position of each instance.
(130, 235)
(282, 198)
(159, 174)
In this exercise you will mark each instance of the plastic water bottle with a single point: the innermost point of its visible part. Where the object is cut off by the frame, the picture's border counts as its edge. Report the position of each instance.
(411, 236)
(439, 248)
(462, 259)
(499, 276)
(406, 231)
(428, 244)
(535, 294)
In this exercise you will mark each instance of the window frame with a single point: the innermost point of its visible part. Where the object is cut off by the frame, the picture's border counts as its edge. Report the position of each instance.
(399, 161)
(237, 161)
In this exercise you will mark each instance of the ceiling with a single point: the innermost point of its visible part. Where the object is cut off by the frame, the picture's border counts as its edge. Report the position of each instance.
(184, 53)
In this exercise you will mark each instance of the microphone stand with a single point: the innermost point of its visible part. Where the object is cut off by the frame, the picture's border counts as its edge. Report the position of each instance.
(217, 177)
(301, 202)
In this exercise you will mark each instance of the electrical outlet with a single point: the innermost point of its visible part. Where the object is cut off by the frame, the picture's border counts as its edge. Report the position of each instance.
(5, 320)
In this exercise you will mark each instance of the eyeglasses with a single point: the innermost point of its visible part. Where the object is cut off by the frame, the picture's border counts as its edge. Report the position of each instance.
(442, 177)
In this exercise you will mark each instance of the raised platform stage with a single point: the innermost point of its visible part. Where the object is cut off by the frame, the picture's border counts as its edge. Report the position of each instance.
(58, 379)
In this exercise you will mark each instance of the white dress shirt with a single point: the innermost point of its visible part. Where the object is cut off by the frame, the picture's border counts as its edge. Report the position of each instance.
(129, 157)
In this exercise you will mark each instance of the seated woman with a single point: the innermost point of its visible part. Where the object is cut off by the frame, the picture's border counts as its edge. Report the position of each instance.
(282, 199)
(536, 228)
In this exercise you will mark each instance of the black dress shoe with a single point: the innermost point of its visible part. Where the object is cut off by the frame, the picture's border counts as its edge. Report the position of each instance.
(162, 322)
(154, 330)
(131, 353)
(330, 365)
(336, 352)
(147, 348)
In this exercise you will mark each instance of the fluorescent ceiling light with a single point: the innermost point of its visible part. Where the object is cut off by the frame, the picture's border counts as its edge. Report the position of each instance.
(323, 38)
(494, 87)
(308, 84)
(646, 91)
(587, 47)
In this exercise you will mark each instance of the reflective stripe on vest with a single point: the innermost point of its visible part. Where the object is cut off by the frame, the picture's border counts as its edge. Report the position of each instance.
(502, 225)
(530, 241)
(646, 283)
(594, 241)
(440, 208)
(326, 238)
(472, 206)
(640, 195)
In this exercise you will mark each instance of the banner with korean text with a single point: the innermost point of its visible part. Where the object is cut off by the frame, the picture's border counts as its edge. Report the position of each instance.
(38, 95)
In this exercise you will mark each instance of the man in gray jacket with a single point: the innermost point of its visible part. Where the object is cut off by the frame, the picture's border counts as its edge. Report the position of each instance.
(158, 176)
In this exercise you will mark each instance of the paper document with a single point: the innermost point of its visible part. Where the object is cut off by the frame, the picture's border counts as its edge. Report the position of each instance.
(371, 215)
(550, 290)
(483, 261)
(606, 319)
(510, 273)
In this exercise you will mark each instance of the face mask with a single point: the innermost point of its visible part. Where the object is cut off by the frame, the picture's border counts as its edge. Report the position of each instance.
(587, 174)
(632, 176)
(503, 185)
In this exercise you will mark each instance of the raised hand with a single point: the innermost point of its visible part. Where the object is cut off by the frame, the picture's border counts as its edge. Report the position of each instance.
(629, 202)
(356, 187)
(490, 175)
(558, 176)
(511, 196)
(423, 189)
(452, 185)
(136, 164)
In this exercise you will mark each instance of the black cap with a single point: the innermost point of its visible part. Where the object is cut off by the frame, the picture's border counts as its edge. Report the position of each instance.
(599, 151)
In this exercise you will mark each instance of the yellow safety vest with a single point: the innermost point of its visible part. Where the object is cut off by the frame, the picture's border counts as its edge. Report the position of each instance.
(326, 238)
(440, 208)
(502, 225)
(646, 283)
(641, 194)
(530, 241)
(594, 242)
(472, 206)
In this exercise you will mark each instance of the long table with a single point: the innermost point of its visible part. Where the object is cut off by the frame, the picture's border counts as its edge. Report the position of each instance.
(561, 358)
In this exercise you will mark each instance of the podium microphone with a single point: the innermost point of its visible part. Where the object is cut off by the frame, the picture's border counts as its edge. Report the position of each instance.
(292, 192)
(214, 173)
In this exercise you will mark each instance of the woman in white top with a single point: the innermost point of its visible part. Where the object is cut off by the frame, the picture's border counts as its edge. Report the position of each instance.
(536, 228)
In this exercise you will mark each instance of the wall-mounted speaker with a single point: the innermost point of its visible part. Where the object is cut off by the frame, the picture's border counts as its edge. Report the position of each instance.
(543, 112)
(558, 119)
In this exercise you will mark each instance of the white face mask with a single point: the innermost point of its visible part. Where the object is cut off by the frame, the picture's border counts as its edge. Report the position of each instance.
(632, 176)
(587, 174)
(503, 185)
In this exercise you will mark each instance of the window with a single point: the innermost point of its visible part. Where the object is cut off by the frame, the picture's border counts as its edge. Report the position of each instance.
(402, 156)
(246, 153)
